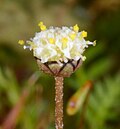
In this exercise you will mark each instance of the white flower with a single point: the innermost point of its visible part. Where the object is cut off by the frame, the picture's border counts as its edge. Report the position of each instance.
(58, 44)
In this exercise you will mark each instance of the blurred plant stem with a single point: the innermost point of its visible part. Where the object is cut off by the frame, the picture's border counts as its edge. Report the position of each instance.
(10, 121)
(78, 99)
(82, 120)
(59, 102)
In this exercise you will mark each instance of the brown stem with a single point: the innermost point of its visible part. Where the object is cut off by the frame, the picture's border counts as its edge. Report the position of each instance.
(59, 102)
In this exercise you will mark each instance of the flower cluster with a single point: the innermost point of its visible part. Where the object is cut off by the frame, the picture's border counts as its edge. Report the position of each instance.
(58, 44)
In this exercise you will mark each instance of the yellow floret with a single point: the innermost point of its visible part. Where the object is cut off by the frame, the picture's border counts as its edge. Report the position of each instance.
(43, 27)
(64, 40)
(72, 36)
(40, 23)
(84, 34)
(21, 42)
(52, 40)
(64, 43)
(76, 28)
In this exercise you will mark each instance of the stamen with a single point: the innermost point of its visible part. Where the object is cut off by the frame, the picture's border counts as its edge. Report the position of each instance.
(84, 34)
(64, 42)
(21, 42)
(52, 40)
(43, 27)
(76, 28)
(40, 23)
(72, 36)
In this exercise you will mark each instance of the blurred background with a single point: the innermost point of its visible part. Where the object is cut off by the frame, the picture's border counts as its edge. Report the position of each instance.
(27, 94)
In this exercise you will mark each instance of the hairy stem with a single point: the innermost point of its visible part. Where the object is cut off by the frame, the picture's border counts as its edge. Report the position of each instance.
(59, 102)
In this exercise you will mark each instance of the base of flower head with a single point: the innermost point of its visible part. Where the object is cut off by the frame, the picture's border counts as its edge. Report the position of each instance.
(61, 70)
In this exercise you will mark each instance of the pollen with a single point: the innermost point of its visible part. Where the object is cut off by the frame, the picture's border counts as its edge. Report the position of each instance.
(52, 40)
(76, 28)
(40, 23)
(84, 34)
(64, 42)
(21, 42)
(43, 27)
(72, 36)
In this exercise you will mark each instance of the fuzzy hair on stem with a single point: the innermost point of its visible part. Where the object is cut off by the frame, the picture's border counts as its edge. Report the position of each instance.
(59, 102)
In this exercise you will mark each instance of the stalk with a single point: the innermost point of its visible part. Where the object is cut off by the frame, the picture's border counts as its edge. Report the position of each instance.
(59, 102)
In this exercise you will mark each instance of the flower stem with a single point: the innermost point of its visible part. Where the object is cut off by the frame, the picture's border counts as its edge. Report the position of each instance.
(59, 102)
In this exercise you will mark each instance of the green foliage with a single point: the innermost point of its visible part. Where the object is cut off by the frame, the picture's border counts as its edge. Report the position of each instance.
(104, 104)
(9, 86)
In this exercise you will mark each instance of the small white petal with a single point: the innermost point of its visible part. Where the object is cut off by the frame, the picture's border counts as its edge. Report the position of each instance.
(46, 51)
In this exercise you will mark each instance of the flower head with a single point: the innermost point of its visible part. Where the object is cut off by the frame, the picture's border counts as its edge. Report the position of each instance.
(58, 44)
